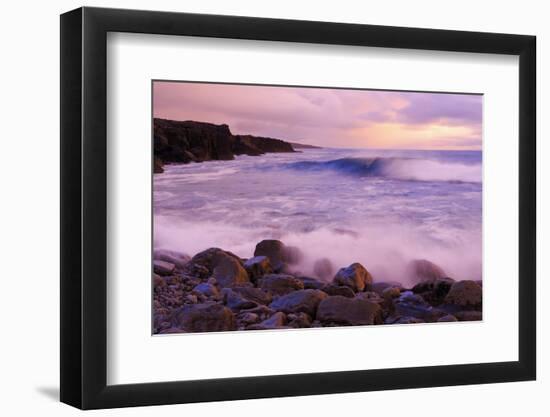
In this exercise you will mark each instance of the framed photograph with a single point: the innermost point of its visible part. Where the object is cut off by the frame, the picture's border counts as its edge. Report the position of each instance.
(257, 207)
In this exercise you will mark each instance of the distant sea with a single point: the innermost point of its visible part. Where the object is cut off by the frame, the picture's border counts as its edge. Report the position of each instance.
(379, 208)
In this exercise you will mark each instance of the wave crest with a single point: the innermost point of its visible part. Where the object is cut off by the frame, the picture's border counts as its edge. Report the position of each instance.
(410, 169)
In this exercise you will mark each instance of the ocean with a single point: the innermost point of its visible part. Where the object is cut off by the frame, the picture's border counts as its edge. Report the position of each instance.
(380, 208)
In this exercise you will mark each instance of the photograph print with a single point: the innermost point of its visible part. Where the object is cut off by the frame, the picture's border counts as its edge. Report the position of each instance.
(283, 207)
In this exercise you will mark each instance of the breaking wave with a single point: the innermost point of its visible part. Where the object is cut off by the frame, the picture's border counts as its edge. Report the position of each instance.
(397, 168)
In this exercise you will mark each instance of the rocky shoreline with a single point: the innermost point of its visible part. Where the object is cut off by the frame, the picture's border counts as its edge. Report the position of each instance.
(191, 141)
(216, 290)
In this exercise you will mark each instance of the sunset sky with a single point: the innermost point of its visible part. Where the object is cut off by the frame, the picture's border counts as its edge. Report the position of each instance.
(329, 117)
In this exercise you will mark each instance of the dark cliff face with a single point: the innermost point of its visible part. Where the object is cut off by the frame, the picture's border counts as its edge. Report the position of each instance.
(191, 141)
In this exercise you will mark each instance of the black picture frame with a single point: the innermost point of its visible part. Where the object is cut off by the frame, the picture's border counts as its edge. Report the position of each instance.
(84, 207)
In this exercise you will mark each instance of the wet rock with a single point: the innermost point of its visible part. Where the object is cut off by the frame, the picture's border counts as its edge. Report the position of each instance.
(323, 268)
(371, 296)
(163, 267)
(262, 311)
(413, 305)
(447, 318)
(211, 317)
(224, 266)
(299, 321)
(348, 311)
(176, 258)
(379, 287)
(208, 290)
(301, 301)
(249, 318)
(311, 283)
(354, 276)
(342, 290)
(391, 293)
(256, 295)
(274, 250)
(424, 270)
(434, 291)
(258, 266)
(465, 294)
(280, 284)
(236, 301)
(276, 321)
(279, 255)
(470, 315)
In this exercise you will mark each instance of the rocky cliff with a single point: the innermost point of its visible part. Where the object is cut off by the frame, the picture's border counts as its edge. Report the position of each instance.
(191, 141)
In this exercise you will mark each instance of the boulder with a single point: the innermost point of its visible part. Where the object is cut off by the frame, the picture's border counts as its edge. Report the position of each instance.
(163, 267)
(311, 283)
(256, 295)
(224, 266)
(299, 320)
(424, 270)
(348, 311)
(280, 284)
(391, 293)
(332, 289)
(413, 305)
(323, 268)
(434, 291)
(279, 255)
(276, 321)
(354, 276)
(274, 250)
(209, 317)
(379, 287)
(301, 301)
(206, 289)
(466, 294)
(236, 301)
(257, 266)
(249, 318)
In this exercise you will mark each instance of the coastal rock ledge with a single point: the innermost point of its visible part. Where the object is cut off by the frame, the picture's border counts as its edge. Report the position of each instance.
(189, 141)
(215, 290)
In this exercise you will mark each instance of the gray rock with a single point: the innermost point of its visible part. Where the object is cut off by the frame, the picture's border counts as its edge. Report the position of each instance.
(348, 311)
(280, 284)
(354, 276)
(209, 317)
(249, 318)
(299, 320)
(301, 301)
(258, 266)
(163, 267)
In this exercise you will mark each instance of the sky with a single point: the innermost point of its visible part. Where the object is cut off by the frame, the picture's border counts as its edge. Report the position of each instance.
(329, 117)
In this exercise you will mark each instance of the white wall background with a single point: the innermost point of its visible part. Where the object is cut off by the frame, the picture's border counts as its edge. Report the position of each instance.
(29, 225)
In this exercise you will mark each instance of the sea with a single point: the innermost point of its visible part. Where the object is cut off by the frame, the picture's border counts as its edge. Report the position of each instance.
(382, 208)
